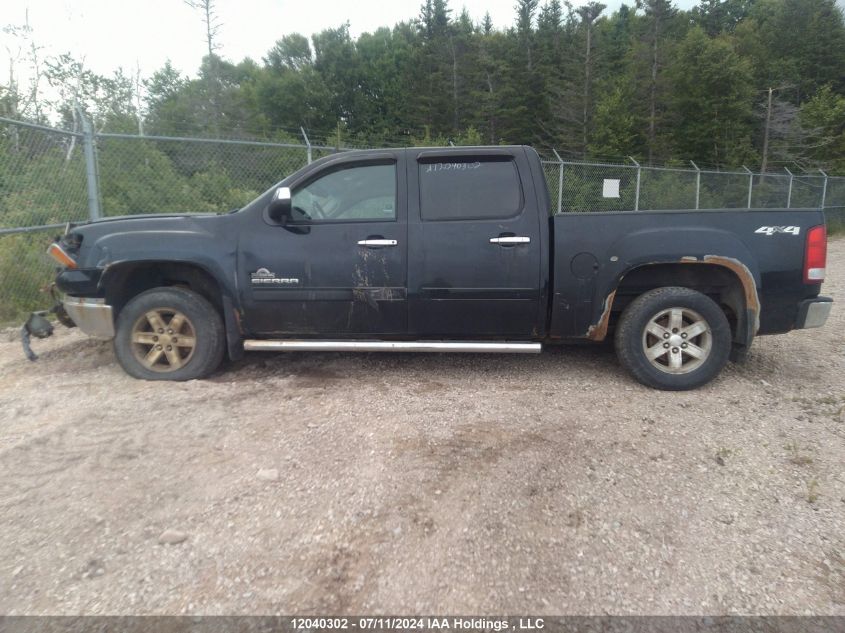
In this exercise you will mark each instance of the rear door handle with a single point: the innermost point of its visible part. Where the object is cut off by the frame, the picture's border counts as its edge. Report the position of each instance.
(514, 239)
(377, 243)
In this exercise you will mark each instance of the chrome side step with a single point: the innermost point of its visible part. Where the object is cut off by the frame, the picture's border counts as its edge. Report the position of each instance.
(284, 345)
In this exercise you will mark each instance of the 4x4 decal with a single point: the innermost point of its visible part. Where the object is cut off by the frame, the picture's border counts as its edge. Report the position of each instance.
(771, 230)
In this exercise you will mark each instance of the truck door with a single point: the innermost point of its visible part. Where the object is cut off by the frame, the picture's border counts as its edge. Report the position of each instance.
(339, 266)
(474, 244)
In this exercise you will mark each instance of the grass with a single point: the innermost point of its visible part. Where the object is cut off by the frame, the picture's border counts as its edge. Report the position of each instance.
(25, 270)
(835, 221)
(812, 491)
(722, 455)
(797, 457)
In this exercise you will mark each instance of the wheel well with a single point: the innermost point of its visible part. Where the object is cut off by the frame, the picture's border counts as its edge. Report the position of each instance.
(125, 281)
(717, 282)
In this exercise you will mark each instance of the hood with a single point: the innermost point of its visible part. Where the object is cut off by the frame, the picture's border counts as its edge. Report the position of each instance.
(143, 223)
(142, 216)
(98, 242)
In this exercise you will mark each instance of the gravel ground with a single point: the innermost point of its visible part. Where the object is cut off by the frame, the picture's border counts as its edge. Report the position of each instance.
(354, 483)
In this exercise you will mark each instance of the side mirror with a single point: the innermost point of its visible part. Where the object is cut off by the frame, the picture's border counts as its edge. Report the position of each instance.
(280, 206)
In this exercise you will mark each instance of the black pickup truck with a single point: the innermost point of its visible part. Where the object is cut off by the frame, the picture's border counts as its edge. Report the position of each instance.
(441, 250)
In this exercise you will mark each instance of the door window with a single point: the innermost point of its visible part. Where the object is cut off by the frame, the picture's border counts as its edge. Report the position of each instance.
(357, 193)
(466, 188)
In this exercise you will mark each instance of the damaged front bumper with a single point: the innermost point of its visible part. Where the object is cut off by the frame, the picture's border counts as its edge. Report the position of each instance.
(39, 326)
(92, 316)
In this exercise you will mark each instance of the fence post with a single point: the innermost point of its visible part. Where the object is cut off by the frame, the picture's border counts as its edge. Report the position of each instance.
(559, 181)
(89, 150)
(750, 184)
(307, 143)
(789, 191)
(824, 188)
(637, 192)
(697, 183)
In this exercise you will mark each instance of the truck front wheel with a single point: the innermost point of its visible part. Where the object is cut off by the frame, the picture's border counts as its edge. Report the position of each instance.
(169, 334)
(673, 338)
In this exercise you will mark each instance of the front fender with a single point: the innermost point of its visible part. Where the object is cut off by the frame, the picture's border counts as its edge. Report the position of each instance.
(218, 260)
(205, 251)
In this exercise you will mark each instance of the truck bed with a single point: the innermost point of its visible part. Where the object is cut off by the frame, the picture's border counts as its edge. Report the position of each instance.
(593, 253)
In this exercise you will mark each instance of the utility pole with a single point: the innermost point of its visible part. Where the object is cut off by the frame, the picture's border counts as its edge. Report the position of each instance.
(768, 128)
(766, 133)
(212, 27)
(589, 14)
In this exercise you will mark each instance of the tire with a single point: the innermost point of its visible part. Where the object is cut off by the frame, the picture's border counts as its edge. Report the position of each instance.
(146, 347)
(658, 332)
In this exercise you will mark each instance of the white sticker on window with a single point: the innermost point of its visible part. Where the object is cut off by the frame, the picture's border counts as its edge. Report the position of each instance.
(610, 189)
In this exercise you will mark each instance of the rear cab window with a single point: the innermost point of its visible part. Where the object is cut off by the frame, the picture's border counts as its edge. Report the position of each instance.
(469, 187)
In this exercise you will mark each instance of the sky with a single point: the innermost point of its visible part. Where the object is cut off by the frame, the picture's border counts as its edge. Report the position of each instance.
(120, 33)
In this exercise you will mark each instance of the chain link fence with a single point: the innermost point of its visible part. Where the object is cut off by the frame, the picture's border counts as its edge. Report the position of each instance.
(161, 175)
(49, 177)
(46, 181)
(42, 186)
(579, 187)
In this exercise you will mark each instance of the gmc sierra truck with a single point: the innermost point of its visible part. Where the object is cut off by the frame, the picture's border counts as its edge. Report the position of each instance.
(441, 250)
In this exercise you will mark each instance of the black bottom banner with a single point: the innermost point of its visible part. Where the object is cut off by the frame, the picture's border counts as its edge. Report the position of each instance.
(461, 624)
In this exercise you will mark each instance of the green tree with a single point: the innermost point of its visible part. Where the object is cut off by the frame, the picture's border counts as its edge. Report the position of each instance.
(658, 14)
(490, 92)
(337, 63)
(294, 96)
(798, 42)
(292, 52)
(720, 16)
(824, 118)
(434, 94)
(617, 127)
(711, 101)
(522, 88)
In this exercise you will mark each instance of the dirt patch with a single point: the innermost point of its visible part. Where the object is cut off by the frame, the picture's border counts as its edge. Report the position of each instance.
(424, 483)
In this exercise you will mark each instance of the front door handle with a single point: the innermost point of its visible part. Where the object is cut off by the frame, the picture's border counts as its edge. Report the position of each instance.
(513, 239)
(376, 243)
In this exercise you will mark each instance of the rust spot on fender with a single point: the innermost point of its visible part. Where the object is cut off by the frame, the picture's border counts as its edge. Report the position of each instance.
(749, 286)
(598, 331)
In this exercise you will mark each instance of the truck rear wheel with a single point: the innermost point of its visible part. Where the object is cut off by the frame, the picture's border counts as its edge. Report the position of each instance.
(673, 338)
(169, 334)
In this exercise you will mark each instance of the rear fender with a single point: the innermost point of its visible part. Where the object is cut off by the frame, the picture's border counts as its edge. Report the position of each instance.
(693, 246)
